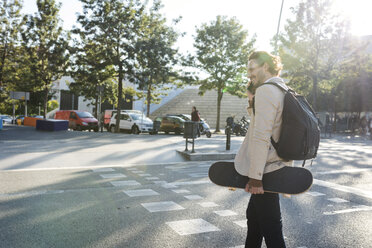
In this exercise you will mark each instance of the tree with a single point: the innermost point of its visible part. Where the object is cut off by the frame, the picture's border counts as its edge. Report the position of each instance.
(47, 47)
(10, 23)
(114, 25)
(93, 79)
(312, 45)
(222, 53)
(155, 55)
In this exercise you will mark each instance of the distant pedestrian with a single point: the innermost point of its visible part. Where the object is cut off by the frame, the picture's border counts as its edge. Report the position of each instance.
(195, 116)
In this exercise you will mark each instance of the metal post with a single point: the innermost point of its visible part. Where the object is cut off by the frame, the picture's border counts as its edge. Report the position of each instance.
(228, 138)
(186, 145)
(25, 104)
(193, 141)
(277, 30)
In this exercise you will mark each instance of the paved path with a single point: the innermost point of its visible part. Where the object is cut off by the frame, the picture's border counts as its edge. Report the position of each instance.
(140, 203)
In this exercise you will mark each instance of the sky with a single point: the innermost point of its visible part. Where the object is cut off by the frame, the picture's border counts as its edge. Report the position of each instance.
(258, 17)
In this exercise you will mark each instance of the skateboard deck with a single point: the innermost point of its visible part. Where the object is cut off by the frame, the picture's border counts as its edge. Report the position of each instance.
(287, 180)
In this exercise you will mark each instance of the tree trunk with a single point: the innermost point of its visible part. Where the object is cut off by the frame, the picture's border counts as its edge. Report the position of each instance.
(46, 101)
(3, 63)
(315, 91)
(120, 93)
(148, 99)
(96, 106)
(219, 99)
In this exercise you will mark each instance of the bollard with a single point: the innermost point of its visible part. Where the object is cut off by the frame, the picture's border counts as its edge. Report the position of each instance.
(228, 138)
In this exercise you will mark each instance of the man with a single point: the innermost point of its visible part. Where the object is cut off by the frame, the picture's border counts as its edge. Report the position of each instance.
(257, 156)
(195, 116)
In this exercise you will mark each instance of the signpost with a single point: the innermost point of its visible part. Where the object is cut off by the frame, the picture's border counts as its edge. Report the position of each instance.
(19, 95)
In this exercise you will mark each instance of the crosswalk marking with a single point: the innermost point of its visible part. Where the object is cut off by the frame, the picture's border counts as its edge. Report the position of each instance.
(241, 223)
(181, 191)
(140, 192)
(116, 175)
(224, 213)
(162, 206)
(347, 189)
(193, 197)
(103, 170)
(125, 183)
(194, 226)
(208, 204)
(350, 210)
(337, 200)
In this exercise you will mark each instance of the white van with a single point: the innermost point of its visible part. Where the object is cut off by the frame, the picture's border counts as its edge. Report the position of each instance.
(134, 121)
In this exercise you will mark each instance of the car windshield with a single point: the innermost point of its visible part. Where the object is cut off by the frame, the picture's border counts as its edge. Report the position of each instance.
(137, 117)
(84, 115)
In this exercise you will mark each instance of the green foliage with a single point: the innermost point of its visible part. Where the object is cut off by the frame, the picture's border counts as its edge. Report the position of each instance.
(222, 53)
(52, 104)
(10, 22)
(46, 45)
(312, 45)
(155, 55)
(113, 27)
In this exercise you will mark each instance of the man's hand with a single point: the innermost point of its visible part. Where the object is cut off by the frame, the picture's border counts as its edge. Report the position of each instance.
(254, 186)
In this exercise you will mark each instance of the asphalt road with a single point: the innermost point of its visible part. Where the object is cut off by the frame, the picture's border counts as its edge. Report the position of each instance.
(81, 189)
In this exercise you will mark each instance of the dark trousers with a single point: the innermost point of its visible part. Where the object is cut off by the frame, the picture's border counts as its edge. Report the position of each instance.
(264, 221)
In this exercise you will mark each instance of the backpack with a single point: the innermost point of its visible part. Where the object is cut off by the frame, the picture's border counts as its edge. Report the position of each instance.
(300, 134)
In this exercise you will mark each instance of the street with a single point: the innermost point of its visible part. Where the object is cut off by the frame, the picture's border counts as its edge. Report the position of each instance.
(81, 189)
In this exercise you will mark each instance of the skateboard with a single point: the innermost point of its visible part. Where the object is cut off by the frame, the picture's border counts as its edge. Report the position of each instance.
(287, 180)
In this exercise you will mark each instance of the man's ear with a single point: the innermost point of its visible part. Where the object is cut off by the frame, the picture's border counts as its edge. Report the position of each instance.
(266, 67)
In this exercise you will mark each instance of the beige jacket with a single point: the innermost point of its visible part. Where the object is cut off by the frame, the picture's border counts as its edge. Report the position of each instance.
(256, 155)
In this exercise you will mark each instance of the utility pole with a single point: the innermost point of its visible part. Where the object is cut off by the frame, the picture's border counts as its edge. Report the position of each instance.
(277, 30)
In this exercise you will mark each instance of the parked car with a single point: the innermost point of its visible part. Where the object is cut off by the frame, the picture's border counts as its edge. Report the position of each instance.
(110, 112)
(204, 127)
(133, 121)
(78, 120)
(6, 119)
(170, 124)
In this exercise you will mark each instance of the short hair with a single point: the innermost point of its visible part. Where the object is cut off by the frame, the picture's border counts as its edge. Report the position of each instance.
(274, 62)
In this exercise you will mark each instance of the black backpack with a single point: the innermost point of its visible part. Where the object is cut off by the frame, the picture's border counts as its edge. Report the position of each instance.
(300, 134)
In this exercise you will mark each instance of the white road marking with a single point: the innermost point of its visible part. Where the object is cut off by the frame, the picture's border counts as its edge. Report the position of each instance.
(192, 182)
(168, 186)
(344, 171)
(144, 175)
(181, 191)
(103, 170)
(208, 204)
(202, 174)
(360, 192)
(241, 223)
(314, 193)
(225, 213)
(337, 200)
(140, 192)
(125, 183)
(152, 178)
(350, 210)
(160, 182)
(162, 206)
(187, 227)
(117, 175)
(193, 197)
(32, 193)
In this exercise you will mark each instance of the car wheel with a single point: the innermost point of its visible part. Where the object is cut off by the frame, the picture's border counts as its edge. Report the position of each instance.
(177, 131)
(96, 129)
(78, 128)
(135, 130)
(112, 128)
